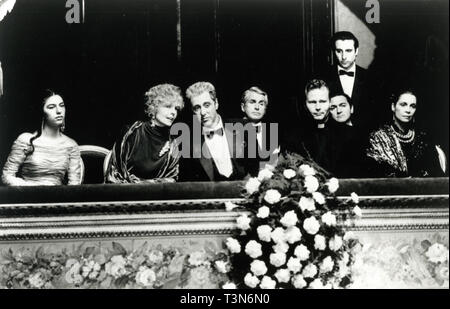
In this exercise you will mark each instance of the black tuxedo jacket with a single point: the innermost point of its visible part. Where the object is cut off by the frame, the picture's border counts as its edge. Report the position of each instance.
(361, 94)
(204, 168)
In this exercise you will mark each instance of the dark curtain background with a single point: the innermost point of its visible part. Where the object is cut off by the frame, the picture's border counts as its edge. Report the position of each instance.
(102, 67)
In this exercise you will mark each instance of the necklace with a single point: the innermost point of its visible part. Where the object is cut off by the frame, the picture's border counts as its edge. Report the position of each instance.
(405, 138)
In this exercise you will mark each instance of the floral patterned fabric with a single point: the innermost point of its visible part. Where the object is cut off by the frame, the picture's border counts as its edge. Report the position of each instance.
(394, 158)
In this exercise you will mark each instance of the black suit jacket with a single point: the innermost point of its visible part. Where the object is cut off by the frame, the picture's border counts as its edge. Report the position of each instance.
(204, 168)
(361, 95)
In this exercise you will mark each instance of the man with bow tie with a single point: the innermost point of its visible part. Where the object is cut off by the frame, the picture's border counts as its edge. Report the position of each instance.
(348, 77)
(254, 103)
(219, 154)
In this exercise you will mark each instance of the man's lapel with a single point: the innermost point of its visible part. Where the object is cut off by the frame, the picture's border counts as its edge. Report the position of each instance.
(206, 163)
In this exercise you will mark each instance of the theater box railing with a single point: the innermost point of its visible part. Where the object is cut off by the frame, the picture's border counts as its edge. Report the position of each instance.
(48, 234)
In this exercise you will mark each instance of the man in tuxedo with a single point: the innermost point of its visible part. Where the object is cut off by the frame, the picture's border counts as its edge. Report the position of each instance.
(254, 104)
(348, 77)
(350, 156)
(219, 154)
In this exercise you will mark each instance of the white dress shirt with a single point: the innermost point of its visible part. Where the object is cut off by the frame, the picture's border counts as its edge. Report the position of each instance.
(219, 150)
(347, 82)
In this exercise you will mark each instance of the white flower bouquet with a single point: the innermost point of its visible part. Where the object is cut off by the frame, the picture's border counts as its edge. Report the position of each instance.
(293, 237)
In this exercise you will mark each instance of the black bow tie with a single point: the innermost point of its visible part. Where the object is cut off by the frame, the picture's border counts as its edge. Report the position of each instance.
(343, 72)
(210, 134)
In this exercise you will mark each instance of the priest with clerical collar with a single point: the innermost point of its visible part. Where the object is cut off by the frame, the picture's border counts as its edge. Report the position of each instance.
(220, 153)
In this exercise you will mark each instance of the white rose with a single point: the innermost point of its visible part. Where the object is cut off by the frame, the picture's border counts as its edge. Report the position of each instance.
(302, 252)
(292, 234)
(253, 249)
(289, 173)
(267, 283)
(437, 253)
(309, 271)
(318, 197)
(289, 219)
(357, 211)
(278, 235)
(252, 185)
(283, 275)
(329, 219)
(298, 282)
(145, 277)
(326, 265)
(333, 185)
(251, 281)
(335, 243)
(294, 265)
(307, 203)
(311, 225)
(229, 286)
(272, 196)
(233, 245)
(320, 242)
(264, 174)
(222, 266)
(311, 184)
(258, 267)
(264, 232)
(354, 197)
(263, 212)
(307, 170)
(277, 259)
(229, 206)
(243, 222)
(282, 247)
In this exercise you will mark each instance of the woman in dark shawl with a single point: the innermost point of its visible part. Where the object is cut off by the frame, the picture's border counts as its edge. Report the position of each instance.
(398, 149)
(145, 152)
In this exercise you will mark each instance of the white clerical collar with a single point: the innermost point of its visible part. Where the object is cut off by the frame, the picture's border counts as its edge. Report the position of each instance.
(256, 124)
(351, 69)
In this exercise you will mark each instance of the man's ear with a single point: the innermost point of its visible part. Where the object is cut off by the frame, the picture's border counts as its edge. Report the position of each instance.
(393, 107)
(216, 104)
(351, 109)
(356, 52)
(242, 107)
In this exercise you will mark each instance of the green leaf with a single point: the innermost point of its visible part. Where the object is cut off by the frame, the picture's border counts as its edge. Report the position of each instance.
(88, 251)
(172, 281)
(118, 249)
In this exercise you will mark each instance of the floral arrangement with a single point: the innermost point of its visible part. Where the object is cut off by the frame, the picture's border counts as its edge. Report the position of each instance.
(292, 237)
(403, 263)
(98, 267)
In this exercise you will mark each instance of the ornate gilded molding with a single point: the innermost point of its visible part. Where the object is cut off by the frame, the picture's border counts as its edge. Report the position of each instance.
(109, 212)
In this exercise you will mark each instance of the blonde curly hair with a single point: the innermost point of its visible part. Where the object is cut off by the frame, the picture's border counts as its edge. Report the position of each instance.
(163, 93)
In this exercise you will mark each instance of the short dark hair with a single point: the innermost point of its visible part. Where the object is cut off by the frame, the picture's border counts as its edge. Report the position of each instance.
(395, 96)
(339, 93)
(315, 84)
(343, 35)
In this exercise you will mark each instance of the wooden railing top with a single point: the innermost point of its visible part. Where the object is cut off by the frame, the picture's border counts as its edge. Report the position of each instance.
(207, 190)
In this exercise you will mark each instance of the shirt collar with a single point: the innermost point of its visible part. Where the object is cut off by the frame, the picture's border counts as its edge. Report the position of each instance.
(351, 69)
(219, 125)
